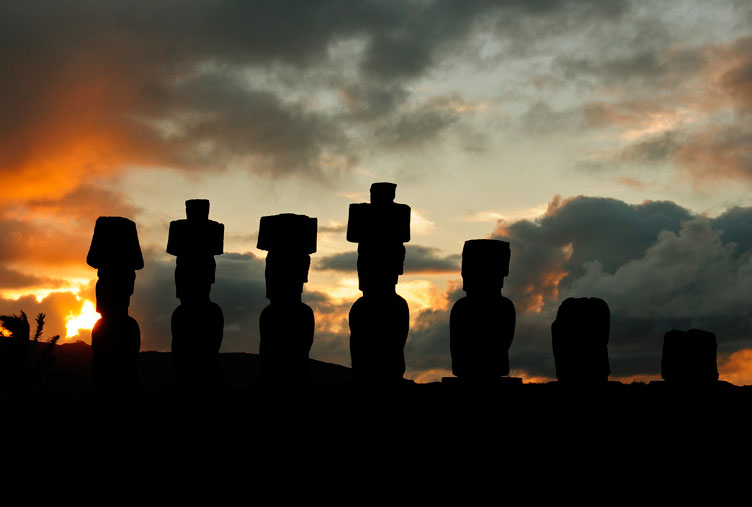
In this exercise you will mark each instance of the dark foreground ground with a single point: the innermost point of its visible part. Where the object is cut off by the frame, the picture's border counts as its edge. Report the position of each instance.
(64, 383)
(497, 437)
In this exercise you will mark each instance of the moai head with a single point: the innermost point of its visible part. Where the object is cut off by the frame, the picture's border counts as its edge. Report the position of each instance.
(689, 356)
(115, 245)
(116, 254)
(379, 268)
(380, 228)
(195, 241)
(485, 263)
(289, 239)
(383, 193)
(580, 340)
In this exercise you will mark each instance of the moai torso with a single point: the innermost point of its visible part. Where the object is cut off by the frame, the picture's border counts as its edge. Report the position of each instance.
(482, 323)
(197, 324)
(689, 357)
(286, 325)
(380, 320)
(116, 337)
(580, 340)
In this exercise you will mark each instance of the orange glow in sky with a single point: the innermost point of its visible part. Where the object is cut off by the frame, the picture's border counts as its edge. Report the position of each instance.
(85, 319)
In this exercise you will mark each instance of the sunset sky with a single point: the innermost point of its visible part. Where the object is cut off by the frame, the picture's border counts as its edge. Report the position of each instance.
(609, 142)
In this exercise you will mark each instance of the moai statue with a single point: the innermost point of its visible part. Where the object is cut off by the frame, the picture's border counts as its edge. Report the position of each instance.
(380, 320)
(287, 325)
(689, 357)
(116, 337)
(198, 323)
(580, 340)
(481, 325)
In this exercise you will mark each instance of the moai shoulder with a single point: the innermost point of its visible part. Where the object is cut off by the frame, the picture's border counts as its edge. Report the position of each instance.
(196, 234)
(382, 219)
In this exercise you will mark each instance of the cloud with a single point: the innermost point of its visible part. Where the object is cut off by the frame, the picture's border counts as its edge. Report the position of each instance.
(418, 259)
(278, 88)
(55, 306)
(690, 111)
(719, 152)
(57, 230)
(12, 279)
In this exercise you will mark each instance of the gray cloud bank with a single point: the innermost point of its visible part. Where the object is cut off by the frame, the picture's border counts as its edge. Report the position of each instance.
(658, 266)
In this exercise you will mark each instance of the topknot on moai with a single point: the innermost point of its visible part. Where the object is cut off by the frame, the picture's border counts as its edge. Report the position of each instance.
(689, 357)
(286, 324)
(116, 338)
(197, 323)
(482, 323)
(379, 321)
(580, 340)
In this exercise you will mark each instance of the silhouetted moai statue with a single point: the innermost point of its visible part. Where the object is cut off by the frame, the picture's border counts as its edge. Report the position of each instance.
(116, 337)
(287, 324)
(580, 340)
(481, 325)
(689, 357)
(380, 320)
(198, 323)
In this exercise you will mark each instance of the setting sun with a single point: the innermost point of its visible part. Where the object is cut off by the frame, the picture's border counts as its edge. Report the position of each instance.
(85, 319)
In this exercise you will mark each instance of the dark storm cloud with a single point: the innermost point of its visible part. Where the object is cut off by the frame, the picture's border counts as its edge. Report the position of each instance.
(418, 259)
(12, 279)
(414, 128)
(57, 231)
(721, 151)
(232, 120)
(654, 65)
(662, 148)
(215, 83)
(540, 119)
(657, 265)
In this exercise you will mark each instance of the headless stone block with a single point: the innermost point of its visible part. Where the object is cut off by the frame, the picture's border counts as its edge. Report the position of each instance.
(580, 340)
(115, 245)
(689, 356)
(481, 324)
